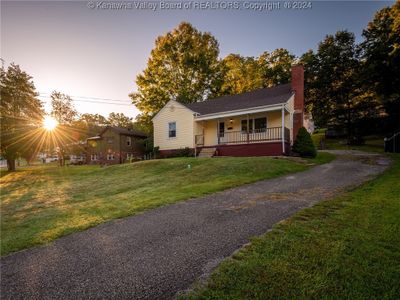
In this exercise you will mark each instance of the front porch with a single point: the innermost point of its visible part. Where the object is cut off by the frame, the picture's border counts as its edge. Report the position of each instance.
(265, 133)
(248, 137)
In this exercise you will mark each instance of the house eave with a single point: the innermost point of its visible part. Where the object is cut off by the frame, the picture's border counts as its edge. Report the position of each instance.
(239, 112)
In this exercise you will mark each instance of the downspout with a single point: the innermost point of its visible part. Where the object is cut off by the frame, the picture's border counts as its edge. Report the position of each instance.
(283, 129)
(291, 128)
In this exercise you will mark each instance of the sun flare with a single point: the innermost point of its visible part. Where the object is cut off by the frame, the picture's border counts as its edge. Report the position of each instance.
(49, 123)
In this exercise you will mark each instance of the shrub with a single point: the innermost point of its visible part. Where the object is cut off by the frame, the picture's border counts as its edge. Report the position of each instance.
(156, 152)
(145, 146)
(185, 152)
(304, 145)
(182, 152)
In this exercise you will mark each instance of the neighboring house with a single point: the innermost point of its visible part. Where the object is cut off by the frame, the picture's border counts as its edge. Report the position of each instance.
(77, 159)
(114, 145)
(260, 122)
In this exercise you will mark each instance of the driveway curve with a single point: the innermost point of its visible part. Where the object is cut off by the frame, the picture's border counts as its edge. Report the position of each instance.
(159, 253)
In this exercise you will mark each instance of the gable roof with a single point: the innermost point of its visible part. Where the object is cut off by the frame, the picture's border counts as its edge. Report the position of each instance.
(173, 102)
(125, 131)
(262, 97)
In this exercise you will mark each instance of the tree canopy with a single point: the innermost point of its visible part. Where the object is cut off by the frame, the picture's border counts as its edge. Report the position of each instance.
(241, 74)
(345, 82)
(119, 120)
(21, 115)
(276, 67)
(62, 108)
(381, 61)
(332, 82)
(183, 66)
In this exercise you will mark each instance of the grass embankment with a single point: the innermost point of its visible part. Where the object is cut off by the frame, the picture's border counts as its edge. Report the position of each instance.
(345, 248)
(42, 203)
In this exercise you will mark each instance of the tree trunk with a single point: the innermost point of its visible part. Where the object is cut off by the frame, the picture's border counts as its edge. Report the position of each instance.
(11, 164)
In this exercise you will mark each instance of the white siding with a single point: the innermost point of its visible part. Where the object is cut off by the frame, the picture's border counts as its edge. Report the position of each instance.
(174, 112)
(290, 104)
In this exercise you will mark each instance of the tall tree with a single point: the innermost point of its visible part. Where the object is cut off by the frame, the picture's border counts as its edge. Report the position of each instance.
(67, 132)
(21, 114)
(62, 108)
(381, 56)
(309, 61)
(91, 123)
(183, 66)
(241, 74)
(276, 66)
(332, 78)
(94, 119)
(119, 120)
(143, 123)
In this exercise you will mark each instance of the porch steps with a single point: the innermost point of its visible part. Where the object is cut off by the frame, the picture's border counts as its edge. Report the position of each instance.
(207, 152)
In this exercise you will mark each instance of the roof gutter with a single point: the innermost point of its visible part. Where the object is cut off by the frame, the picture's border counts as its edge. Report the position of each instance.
(239, 112)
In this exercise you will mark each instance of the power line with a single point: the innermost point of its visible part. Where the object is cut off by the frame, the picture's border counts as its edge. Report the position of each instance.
(84, 97)
(98, 102)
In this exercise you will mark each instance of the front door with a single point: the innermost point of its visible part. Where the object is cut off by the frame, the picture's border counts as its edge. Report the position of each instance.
(221, 131)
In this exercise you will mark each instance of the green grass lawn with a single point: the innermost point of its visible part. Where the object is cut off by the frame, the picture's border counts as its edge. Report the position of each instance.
(373, 143)
(344, 248)
(42, 203)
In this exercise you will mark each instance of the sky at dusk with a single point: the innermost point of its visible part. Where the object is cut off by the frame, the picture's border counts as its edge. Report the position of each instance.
(92, 53)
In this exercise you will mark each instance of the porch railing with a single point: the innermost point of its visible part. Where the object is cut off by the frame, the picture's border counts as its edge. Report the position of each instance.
(243, 137)
(199, 140)
(392, 144)
(258, 135)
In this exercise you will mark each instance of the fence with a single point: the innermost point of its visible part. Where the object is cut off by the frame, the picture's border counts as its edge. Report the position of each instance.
(392, 144)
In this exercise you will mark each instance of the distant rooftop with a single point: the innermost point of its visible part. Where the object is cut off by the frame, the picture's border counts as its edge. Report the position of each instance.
(120, 130)
(126, 131)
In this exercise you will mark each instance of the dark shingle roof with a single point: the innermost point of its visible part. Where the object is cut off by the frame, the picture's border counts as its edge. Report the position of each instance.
(261, 97)
(125, 131)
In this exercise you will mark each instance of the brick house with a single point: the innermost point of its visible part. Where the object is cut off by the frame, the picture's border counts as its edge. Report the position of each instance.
(114, 145)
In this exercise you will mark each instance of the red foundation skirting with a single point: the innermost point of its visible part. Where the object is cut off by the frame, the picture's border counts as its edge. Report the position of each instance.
(259, 149)
(256, 149)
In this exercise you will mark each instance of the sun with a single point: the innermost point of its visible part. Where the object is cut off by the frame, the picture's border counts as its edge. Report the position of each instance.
(49, 123)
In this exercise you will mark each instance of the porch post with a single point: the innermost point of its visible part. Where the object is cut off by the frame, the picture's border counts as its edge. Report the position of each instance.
(247, 129)
(218, 133)
(283, 129)
(195, 147)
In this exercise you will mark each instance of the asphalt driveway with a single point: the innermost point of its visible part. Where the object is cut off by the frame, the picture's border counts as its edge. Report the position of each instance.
(160, 253)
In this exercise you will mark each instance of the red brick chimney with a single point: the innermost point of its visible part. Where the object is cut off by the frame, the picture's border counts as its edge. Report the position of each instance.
(298, 88)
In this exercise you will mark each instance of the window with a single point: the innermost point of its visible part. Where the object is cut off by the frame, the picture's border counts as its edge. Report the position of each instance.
(110, 156)
(260, 124)
(128, 141)
(172, 129)
(255, 125)
(94, 157)
(110, 140)
(221, 129)
(244, 125)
